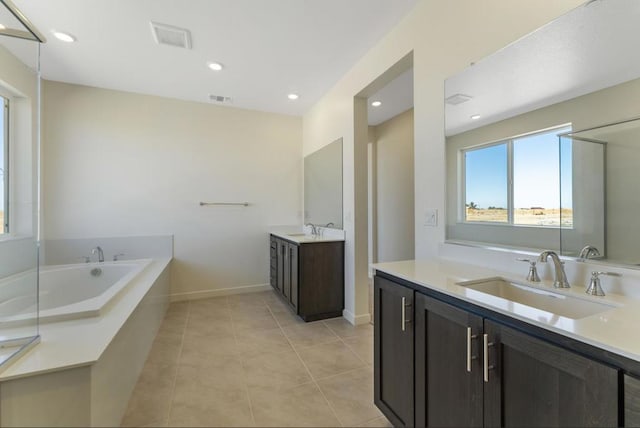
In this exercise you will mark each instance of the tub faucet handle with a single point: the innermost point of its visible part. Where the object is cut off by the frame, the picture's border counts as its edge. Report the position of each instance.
(86, 259)
(117, 256)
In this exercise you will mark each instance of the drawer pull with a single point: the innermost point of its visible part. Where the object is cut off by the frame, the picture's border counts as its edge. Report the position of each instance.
(404, 315)
(486, 344)
(470, 337)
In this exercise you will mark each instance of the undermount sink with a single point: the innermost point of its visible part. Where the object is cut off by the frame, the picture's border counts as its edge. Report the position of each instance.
(296, 234)
(555, 303)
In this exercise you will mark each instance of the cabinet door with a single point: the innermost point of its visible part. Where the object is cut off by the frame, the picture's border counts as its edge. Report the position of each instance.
(293, 263)
(448, 367)
(282, 246)
(393, 351)
(631, 401)
(536, 384)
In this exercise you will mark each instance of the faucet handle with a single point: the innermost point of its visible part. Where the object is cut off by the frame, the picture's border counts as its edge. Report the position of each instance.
(594, 288)
(86, 259)
(117, 256)
(532, 276)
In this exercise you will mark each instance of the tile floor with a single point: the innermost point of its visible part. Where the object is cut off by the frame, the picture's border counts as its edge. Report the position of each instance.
(246, 360)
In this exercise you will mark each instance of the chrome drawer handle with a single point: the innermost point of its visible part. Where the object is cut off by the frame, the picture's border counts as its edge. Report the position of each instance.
(404, 315)
(486, 344)
(470, 337)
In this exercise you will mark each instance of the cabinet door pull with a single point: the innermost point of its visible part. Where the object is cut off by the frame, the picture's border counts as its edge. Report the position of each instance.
(404, 315)
(470, 337)
(486, 344)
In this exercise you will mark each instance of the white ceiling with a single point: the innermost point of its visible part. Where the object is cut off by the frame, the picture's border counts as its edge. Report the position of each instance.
(396, 97)
(592, 47)
(269, 48)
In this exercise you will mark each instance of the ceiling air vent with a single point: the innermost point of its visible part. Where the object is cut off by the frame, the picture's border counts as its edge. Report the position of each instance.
(165, 34)
(456, 99)
(220, 99)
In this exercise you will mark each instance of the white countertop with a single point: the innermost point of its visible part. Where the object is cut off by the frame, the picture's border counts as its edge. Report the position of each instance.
(303, 238)
(615, 330)
(302, 234)
(81, 342)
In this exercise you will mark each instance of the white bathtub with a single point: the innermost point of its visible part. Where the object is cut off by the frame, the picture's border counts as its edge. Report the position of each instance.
(66, 291)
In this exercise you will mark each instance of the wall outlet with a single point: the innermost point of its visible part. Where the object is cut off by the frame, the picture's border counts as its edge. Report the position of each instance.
(431, 218)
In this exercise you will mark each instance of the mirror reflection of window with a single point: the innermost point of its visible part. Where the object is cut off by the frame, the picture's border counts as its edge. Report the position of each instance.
(536, 180)
(517, 181)
(486, 178)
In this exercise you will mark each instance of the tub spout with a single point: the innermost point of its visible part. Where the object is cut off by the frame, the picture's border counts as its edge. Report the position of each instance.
(100, 253)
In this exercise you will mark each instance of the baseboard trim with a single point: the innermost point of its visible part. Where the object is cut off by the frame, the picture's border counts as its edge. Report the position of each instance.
(356, 319)
(206, 294)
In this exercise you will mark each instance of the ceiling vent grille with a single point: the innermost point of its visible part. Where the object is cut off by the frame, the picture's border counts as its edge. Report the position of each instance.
(165, 34)
(456, 99)
(220, 99)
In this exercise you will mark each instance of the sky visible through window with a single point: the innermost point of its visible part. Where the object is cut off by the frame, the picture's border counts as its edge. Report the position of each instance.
(486, 176)
(536, 171)
(541, 168)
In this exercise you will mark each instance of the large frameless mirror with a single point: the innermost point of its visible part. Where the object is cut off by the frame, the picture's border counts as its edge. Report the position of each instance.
(19, 179)
(323, 186)
(525, 170)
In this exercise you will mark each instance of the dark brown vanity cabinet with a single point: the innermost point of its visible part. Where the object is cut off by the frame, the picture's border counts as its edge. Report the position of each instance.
(471, 370)
(393, 352)
(531, 382)
(309, 276)
(631, 401)
(449, 390)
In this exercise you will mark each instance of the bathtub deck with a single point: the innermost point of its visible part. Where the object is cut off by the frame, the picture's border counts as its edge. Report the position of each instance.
(81, 342)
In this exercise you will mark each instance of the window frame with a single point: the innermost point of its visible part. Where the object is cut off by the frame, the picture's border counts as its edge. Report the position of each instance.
(509, 142)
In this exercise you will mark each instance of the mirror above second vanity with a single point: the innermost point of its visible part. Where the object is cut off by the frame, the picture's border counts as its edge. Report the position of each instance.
(323, 186)
(542, 149)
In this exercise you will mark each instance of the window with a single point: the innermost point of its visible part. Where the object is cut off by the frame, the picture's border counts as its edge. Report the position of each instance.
(523, 181)
(4, 165)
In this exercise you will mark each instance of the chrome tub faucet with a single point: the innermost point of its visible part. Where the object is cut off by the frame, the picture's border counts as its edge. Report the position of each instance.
(100, 254)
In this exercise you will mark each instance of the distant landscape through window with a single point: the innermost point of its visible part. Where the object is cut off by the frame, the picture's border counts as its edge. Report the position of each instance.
(519, 181)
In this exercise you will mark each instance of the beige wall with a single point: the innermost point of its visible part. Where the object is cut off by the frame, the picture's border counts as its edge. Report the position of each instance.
(445, 37)
(122, 164)
(395, 229)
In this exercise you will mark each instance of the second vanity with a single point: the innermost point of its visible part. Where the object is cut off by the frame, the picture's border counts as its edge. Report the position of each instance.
(457, 345)
(308, 272)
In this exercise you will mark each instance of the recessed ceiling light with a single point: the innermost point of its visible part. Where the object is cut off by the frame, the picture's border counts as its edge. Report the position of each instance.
(376, 103)
(475, 117)
(65, 37)
(293, 96)
(215, 66)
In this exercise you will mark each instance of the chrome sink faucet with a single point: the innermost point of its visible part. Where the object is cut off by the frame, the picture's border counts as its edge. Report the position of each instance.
(561, 277)
(588, 252)
(100, 253)
(314, 230)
